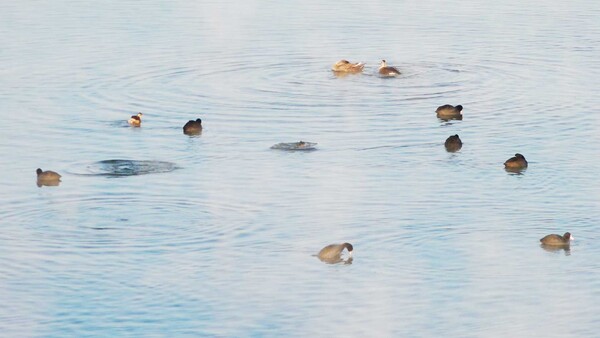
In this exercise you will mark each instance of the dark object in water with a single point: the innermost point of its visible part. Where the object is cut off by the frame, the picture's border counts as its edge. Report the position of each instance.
(557, 240)
(388, 71)
(333, 252)
(453, 143)
(449, 112)
(516, 163)
(193, 127)
(121, 168)
(295, 146)
(135, 120)
(47, 178)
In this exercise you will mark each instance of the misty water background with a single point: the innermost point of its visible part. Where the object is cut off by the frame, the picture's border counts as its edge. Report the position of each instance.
(218, 241)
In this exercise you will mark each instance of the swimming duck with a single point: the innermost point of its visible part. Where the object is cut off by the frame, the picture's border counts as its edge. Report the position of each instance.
(193, 127)
(48, 178)
(332, 253)
(453, 143)
(516, 162)
(449, 111)
(557, 240)
(345, 66)
(48, 175)
(135, 120)
(386, 70)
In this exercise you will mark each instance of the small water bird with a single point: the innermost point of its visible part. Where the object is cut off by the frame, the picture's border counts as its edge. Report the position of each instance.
(453, 143)
(135, 120)
(557, 240)
(517, 162)
(48, 177)
(333, 252)
(193, 127)
(449, 111)
(385, 70)
(345, 66)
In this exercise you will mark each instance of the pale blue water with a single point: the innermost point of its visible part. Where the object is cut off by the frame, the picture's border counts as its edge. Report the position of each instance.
(218, 239)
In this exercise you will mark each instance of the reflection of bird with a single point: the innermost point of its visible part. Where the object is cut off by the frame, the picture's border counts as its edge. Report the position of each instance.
(193, 127)
(557, 240)
(135, 120)
(345, 66)
(386, 70)
(332, 253)
(449, 111)
(453, 143)
(557, 248)
(516, 162)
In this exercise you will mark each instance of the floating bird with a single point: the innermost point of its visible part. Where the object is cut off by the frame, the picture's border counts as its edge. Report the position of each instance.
(48, 177)
(557, 240)
(333, 252)
(449, 111)
(386, 70)
(453, 143)
(345, 66)
(517, 162)
(193, 127)
(135, 120)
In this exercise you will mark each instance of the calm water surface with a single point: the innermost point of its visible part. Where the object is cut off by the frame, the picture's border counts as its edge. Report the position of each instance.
(214, 235)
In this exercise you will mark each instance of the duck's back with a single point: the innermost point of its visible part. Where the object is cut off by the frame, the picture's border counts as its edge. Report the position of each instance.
(49, 175)
(192, 126)
(389, 71)
(554, 239)
(331, 251)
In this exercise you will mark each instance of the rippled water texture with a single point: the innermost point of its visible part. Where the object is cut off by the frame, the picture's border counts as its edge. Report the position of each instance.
(155, 233)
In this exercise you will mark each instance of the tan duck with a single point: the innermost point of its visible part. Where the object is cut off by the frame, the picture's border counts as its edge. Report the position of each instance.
(345, 66)
(385, 70)
(449, 111)
(135, 120)
(333, 252)
(516, 162)
(557, 240)
(453, 143)
(48, 177)
(193, 127)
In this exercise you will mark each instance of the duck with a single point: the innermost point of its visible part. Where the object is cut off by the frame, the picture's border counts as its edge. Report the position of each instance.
(332, 253)
(453, 143)
(557, 240)
(135, 120)
(193, 127)
(345, 66)
(48, 178)
(386, 70)
(449, 111)
(516, 162)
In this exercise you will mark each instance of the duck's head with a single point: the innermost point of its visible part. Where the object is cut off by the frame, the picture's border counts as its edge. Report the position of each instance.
(519, 156)
(568, 236)
(38, 171)
(383, 64)
(349, 247)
